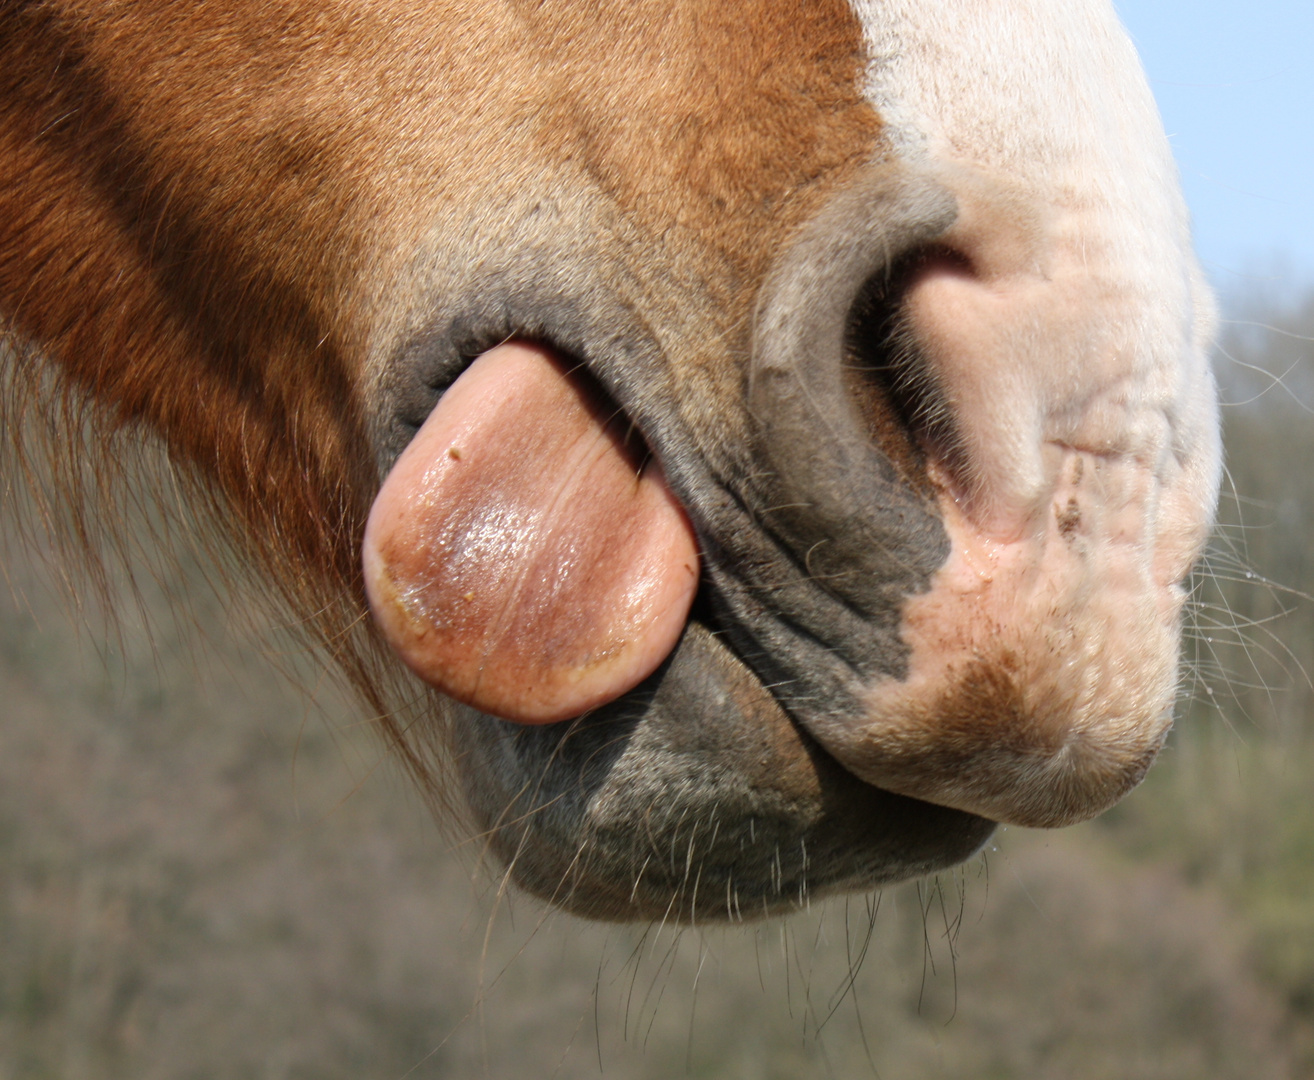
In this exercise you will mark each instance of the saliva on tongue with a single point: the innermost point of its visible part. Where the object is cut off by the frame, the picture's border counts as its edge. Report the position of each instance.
(519, 556)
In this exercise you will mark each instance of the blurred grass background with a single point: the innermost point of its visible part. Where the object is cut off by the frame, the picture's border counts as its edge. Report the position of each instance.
(208, 871)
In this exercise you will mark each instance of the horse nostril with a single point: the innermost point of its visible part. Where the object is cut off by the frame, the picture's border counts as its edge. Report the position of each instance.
(838, 500)
(886, 375)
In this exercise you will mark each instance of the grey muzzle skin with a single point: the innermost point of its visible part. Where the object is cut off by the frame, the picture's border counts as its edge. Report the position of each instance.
(695, 797)
(700, 794)
(857, 539)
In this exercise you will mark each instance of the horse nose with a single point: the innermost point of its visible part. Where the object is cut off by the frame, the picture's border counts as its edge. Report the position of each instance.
(994, 635)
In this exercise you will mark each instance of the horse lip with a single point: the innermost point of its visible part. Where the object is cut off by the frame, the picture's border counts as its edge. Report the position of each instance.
(877, 827)
(587, 322)
(440, 371)
(606, 815)
(441, 374)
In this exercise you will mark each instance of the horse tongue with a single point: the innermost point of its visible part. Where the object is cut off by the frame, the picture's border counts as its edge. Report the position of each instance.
(516, 557)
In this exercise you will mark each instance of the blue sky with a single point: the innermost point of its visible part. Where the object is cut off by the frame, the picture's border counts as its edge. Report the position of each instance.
(1235, 84)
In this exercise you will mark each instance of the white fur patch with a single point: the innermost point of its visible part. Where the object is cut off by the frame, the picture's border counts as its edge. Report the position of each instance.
(1076, 330)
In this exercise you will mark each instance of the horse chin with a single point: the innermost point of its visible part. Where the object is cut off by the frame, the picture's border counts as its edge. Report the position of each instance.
(693, 797)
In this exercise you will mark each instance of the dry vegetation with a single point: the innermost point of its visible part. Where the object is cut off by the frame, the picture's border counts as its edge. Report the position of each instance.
(203, 874)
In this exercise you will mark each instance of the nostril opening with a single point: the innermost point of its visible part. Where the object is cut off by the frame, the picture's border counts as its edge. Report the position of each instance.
(942, 259)
(886, 373)
(842, 486)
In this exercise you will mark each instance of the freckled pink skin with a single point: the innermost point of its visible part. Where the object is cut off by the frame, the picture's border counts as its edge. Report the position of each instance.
(516, 558)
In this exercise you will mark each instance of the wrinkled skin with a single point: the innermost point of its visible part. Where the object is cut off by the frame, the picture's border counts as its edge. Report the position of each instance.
(901, 301)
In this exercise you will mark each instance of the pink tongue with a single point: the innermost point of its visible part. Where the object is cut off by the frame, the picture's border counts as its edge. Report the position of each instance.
(516, 558)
